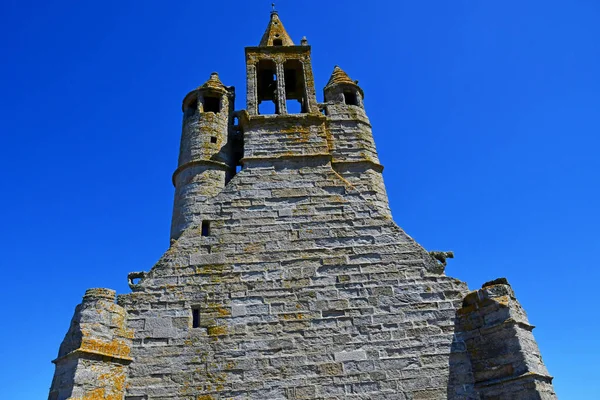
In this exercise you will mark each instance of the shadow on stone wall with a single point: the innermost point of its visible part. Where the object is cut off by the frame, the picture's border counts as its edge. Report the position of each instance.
(460, 380)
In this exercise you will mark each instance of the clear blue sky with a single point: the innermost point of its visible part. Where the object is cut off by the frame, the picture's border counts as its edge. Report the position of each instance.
(485, 113)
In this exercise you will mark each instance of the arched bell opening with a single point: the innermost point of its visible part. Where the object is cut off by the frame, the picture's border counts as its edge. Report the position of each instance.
(295, 87)
(267, 87)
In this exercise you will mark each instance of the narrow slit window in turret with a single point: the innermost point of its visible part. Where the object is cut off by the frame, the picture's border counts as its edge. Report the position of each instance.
(195, 317)
(205, 228)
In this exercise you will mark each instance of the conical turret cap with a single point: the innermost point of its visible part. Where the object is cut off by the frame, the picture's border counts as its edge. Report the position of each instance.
(276, 33)
(213, 83)
(338, 76)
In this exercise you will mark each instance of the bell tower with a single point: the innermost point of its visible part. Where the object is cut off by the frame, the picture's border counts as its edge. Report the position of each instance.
(280, 72)
(282, 121)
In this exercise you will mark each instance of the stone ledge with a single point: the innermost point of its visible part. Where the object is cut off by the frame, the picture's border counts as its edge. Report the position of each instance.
(509, 321)
(372, 164)
(285, 157)
(220, 165)
(94, 354)
(534, 375)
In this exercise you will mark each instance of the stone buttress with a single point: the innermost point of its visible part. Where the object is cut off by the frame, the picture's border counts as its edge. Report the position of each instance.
(505, 359)
(286, 277)
(93, 358)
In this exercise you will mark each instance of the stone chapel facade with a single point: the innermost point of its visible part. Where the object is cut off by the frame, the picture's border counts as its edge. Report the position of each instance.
(286, 277)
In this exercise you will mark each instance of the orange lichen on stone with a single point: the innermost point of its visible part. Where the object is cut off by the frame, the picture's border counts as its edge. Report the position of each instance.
(223, 312)
(114, 348)
(217, 330)
(293, 316)
(503, 300)
(112, 386)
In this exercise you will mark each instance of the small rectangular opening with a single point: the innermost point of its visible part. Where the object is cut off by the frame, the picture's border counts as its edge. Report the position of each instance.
(205, 228)
(212, 104)
(195, 317)
(350, 98)
(213, 139)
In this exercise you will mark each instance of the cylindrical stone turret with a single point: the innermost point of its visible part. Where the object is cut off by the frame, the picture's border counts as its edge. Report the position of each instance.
(354, 155)
(205, 162)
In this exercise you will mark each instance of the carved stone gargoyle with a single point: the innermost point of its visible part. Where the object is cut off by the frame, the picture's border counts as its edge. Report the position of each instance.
(441, 256)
